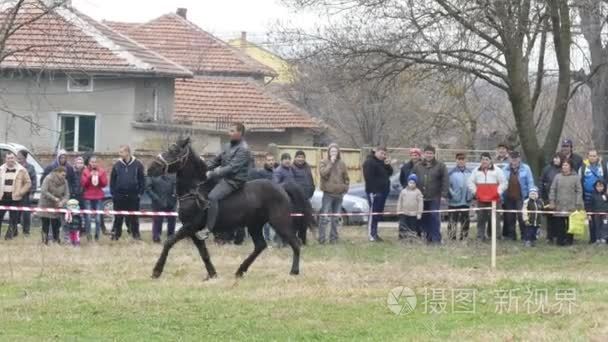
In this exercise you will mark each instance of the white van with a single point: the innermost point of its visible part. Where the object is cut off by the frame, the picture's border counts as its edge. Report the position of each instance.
(14, 148)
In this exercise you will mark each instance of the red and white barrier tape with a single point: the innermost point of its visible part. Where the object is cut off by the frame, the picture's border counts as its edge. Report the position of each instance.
(90, 212)
(165, 213)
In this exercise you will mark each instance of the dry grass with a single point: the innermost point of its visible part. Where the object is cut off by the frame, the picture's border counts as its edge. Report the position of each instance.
(104, 291)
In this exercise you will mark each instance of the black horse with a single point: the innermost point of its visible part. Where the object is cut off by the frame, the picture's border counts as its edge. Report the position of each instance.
(258, 203)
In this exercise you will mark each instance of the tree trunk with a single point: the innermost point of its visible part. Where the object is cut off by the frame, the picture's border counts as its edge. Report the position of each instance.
(599, 104)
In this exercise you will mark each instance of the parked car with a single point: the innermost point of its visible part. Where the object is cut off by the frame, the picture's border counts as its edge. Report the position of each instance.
(350, 205)
(14, 148)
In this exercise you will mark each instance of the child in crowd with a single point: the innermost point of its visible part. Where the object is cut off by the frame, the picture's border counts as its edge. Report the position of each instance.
(599, 204)
(409, 207)
(73, 221)
(531, 216)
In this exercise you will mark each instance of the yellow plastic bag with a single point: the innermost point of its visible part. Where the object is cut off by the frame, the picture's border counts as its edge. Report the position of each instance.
(577, 224)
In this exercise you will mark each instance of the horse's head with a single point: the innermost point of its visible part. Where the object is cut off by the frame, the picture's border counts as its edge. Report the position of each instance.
(172, 160)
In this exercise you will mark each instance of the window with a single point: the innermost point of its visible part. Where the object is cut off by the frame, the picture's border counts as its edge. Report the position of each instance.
(80, 84)
(77, 132)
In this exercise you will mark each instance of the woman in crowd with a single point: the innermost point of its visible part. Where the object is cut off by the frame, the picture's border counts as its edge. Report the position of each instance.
(546, 180)
(54, 193)
(565, 197)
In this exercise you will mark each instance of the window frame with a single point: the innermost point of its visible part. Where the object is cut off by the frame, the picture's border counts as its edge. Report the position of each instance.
(77, 89)
(76, 116)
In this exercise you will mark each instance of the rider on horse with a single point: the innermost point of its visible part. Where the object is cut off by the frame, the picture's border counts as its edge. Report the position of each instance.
(231, 170)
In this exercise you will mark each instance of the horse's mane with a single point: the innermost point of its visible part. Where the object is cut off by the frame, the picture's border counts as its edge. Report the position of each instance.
(198, 162)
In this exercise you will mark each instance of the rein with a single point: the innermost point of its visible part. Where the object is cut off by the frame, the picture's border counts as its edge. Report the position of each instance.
(166, 164)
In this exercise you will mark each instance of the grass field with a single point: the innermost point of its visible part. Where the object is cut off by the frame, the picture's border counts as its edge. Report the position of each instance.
(104, 292)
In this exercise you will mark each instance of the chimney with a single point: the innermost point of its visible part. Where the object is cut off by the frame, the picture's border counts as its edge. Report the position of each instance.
(182, 12)
(243, 39)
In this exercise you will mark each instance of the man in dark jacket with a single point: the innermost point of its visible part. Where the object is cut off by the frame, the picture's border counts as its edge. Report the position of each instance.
(265, 172)
(161, 191)
(377, 171)
(568, 153)
(434, 182)
(546, 180)
(406, 168)
(127, 184)
(61, 160)
(302, 174)
(283, 173)
(231, 169)
(26, 216)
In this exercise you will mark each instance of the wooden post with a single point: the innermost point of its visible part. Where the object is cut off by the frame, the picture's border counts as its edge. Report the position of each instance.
(493, 235)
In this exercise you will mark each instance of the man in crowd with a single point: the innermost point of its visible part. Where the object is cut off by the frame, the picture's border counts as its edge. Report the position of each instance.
(26, 216)
(519, 182)
(127, 184)
(502, 154)
(487, 183)
(593, 170)
(161, 191)
(406, 168)
(460, 197)
(284, 173)
(266, 172)
(334, 184)
(15, 183)
(302, 174)
(433, 181)
(568, 153)
(377, 171)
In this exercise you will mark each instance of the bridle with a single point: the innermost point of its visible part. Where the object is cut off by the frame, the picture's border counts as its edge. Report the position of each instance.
(166, 164)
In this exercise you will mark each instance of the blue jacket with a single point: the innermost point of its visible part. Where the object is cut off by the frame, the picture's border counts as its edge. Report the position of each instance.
(526, 179)
(459, 194)
(283, 175)
(589, 175)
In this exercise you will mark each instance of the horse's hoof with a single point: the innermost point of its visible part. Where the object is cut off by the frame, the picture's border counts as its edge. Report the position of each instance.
(239, 274)
(156, 275)
(210, 276)
(294, 272)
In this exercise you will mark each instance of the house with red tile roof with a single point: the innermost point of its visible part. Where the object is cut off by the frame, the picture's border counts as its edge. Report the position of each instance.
(68, 81)
(228, 86)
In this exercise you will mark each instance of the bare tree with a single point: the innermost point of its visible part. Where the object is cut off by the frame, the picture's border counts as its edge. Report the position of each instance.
(361, 112)
(496, 41)
(593, 15)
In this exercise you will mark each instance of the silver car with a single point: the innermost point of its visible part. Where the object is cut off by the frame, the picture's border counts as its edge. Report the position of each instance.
(350, 205)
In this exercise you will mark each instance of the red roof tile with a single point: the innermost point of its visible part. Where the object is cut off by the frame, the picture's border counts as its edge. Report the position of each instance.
(66, 40)
(208, 99)
(187, 44)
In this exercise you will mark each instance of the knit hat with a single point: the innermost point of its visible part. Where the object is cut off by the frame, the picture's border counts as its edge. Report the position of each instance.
(415, 151)
(72, 204)
(534, 189)
(412, 177)
(567, 142)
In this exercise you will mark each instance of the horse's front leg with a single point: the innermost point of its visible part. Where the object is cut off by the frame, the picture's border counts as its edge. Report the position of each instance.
(182, 233)
(204, 253)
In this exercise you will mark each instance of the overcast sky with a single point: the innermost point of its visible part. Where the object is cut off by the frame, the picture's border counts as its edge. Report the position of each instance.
(224, 18)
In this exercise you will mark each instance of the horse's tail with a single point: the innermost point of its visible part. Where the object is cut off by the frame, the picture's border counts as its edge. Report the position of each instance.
(300, 206)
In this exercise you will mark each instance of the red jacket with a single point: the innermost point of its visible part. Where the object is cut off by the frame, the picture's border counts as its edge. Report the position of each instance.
(487, 185)
(90, 191)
